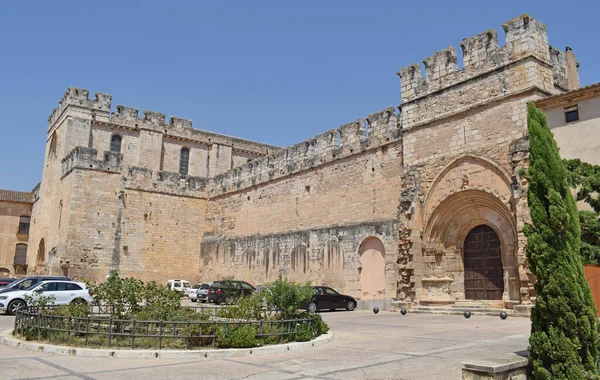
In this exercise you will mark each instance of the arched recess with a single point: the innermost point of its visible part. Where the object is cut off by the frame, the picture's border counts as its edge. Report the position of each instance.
(468, 172)
(4, 272)
(372, 268)
(451, 222)
(332, 266)
(40, 262)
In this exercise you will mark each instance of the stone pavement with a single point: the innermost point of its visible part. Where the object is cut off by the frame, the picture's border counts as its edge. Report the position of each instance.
(367, 346)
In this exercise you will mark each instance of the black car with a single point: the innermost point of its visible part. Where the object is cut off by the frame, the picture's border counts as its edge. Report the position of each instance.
(227, 290)
(5, 282)
(328, 299)
(27, 282)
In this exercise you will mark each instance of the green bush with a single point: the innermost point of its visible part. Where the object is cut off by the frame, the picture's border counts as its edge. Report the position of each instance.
(287, 296)
(564, 337)
(236, 336)
(244, 308)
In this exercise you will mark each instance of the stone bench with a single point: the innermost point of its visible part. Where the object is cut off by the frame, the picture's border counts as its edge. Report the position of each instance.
(512, 366)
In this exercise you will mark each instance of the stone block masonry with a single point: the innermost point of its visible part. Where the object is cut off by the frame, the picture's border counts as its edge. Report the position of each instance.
(393, 205)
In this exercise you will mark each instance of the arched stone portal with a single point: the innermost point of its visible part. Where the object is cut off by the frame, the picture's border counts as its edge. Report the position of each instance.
(448, 250)
(372, 268)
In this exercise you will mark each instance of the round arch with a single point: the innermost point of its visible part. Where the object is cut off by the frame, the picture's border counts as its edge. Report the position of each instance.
(4, 272)
(455, 217)
(372, 268)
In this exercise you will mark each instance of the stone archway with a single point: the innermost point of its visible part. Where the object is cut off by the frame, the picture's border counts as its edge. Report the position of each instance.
(40, 262)
(447, 230)
(372, 268)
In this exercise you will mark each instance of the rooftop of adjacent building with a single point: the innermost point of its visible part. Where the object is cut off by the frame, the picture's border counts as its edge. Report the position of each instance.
(583, 93)
(16, 196)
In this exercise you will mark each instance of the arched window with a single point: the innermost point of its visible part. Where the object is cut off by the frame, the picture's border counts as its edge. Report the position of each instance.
(184, 161)
(115, 143)
(24, 222)
(20, 254)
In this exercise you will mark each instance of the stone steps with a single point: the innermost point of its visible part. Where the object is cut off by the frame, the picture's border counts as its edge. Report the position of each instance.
(476, 309)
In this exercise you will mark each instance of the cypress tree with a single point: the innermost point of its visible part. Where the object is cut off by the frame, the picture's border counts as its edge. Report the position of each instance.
(564, 336)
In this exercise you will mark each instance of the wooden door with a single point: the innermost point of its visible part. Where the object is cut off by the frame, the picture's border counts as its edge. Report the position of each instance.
(484, 279)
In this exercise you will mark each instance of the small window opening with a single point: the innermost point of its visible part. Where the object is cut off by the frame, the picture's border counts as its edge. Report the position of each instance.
(115, 143)
(24, 222)
(571, 114)
(184, 161)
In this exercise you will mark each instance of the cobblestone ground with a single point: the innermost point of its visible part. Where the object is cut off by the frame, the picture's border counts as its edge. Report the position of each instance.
(367, 346)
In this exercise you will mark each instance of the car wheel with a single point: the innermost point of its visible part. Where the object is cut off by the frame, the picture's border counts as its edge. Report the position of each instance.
(78, 301)
(14, 306)
(350, 306)
(217, 303)
(312, 307)
(193, 300)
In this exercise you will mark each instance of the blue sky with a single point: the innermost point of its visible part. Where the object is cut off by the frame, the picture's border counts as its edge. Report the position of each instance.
(274, 71)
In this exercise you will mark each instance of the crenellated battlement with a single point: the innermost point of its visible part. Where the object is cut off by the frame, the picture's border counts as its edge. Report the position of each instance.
(79, 97)
(176, 127)
(143, 179)
(349, 139)
(525, 61)
(87, 158)
(558, 60)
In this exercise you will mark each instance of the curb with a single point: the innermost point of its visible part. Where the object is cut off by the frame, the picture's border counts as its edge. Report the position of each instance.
(7, 339)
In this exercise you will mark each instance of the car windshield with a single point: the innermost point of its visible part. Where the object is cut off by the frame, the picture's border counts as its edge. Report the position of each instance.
(204, 286)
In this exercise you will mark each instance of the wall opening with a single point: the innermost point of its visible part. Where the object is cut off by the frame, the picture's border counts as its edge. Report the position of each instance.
(484, 275)
(372, 268)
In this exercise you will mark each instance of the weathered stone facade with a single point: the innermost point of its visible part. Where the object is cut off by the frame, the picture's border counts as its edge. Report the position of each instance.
(382, 207)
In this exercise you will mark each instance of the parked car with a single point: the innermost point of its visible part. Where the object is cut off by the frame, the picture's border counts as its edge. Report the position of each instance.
(227, 290)
(64, 292)
(5, 282)
(199, 292)
(27, 282)
(181, 286)
(327, 298)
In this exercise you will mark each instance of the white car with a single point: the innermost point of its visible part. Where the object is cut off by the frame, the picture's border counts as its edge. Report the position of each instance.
(64, 292)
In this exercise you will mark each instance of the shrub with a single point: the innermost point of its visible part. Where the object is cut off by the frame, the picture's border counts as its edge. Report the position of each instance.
(125, 294)
(287, 296)
(564, 337)
(236, 336)
(244, 308)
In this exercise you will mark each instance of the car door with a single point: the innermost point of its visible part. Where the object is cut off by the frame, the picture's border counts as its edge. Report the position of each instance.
(48, 289)
(323, 302)
(66, 292)
(333, 297)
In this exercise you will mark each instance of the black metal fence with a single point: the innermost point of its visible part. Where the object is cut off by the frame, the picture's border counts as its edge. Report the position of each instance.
(100, 329)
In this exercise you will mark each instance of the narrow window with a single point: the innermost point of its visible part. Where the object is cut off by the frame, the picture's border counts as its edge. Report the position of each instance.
(571, 114)
(184, 161)
(20, 255)
(24, 222)
(115, 143)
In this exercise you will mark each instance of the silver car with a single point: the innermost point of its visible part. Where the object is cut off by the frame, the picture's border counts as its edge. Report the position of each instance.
(201, 293)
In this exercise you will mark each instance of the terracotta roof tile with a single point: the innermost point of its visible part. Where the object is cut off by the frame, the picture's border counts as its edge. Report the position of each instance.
(16, 196)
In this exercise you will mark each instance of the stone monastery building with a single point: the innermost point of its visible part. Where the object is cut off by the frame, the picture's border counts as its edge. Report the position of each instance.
(420, 202)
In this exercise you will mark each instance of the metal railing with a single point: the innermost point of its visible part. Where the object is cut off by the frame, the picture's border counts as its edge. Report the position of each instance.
(100, 329)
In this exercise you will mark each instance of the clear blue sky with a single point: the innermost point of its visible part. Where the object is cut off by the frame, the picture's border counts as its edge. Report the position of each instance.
(273, 71)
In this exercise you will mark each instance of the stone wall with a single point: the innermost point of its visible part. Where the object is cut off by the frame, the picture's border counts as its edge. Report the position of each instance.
(339, 188)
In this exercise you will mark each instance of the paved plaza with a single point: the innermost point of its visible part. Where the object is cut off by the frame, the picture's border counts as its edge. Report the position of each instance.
(367, 346)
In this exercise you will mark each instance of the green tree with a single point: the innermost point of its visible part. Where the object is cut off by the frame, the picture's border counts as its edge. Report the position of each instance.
(287, 296)
(585, 178)
(564, 337)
